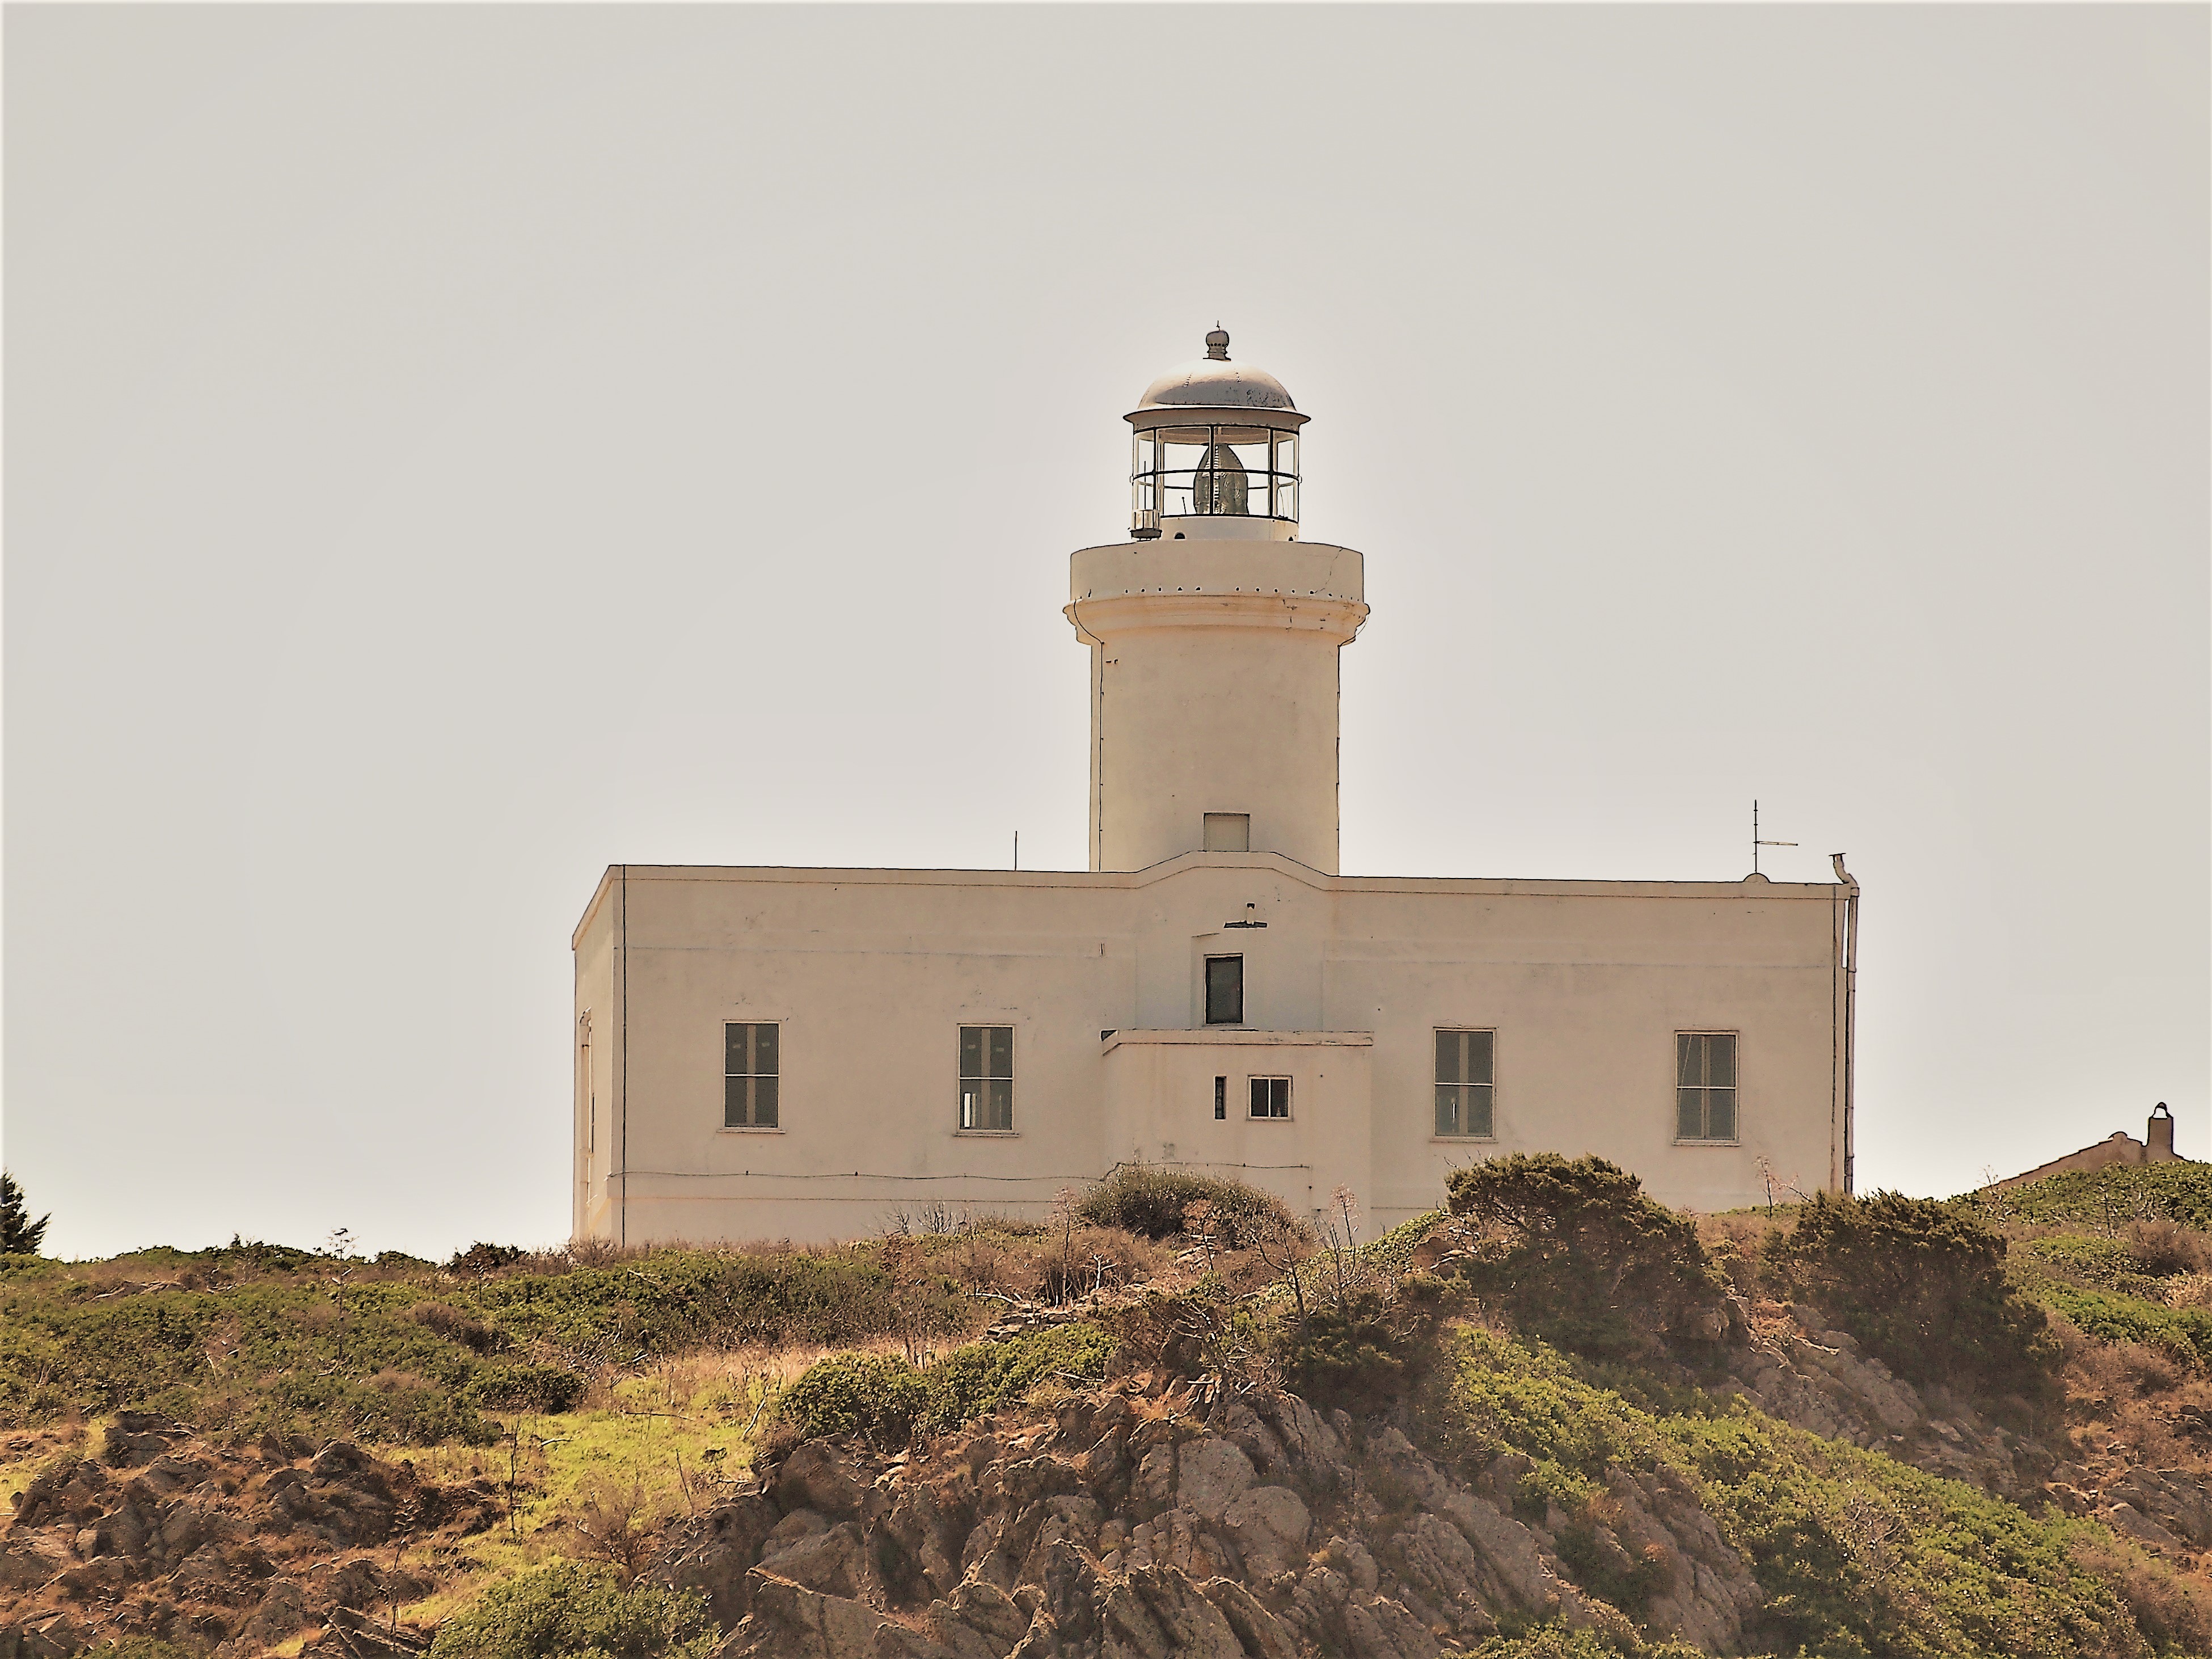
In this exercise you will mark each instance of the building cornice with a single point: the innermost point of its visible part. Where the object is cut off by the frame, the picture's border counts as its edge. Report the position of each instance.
(1759, 888)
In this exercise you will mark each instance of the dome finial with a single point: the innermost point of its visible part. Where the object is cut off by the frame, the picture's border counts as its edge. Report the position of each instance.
(1217, 344)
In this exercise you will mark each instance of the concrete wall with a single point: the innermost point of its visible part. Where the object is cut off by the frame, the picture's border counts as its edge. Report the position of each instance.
(870, 974)
(1160, 1104)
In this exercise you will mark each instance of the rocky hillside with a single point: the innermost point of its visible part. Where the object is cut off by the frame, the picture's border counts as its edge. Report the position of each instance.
(1550, 1419)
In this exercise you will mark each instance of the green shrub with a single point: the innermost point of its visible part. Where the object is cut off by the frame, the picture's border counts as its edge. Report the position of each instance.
(2184, 1334)
(1146, 1200)
(140, 1647)
(882, 1398)
(1346, 1357)
(2103, 1261)
(971, 1381)
(578, 1610)
(1922, 1283)
(873, 1396)
(1559, 1642)
(481, 1258)
(524, 1388)
(1585, 1260)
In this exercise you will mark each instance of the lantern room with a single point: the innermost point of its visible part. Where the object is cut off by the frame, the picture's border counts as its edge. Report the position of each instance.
(1215, 453)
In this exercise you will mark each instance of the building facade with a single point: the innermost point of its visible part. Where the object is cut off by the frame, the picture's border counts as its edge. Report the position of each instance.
(809, 1054)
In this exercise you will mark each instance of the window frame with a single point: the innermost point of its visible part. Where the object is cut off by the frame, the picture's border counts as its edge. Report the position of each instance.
(753, 1126)
(1206, 987)
(1733, 1089)
(963, 1078)
(1270, 1115)
(1438, 1084)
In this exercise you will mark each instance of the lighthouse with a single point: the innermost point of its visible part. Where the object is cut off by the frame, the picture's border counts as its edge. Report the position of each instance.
(814, 1053)
(1213, 632)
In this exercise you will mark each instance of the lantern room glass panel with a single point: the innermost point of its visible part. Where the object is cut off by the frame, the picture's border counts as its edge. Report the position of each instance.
(1211, 471)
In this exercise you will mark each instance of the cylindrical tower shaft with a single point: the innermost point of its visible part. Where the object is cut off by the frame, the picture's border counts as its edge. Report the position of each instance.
(1214, 696)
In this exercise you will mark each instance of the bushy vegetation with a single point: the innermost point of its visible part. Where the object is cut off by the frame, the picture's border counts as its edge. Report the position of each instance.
(1858, 1555)
(1350, 1357)
(140, 1647)
(970, 1381)
(250, 1339)
(1923, 1284)
(2184, 1335)
(578, 1610)
(1560, 1642)
(884, 1400)
(2104, 1199)
(1152, 1202)
(2109, 1263)
(875, 1397)
(1579, 1255)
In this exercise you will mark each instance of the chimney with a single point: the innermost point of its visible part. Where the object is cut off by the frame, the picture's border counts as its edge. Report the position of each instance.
(2159, 1136)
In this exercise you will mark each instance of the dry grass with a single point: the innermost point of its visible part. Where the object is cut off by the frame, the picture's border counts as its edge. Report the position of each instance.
(2175, 1612)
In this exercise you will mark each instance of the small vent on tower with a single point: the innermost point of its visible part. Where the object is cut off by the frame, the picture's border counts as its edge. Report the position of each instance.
(1228, 832)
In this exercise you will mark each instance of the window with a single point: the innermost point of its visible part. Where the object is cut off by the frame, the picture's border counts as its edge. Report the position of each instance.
(749, 1077)
(987, 1077)
(1465, 1085)
(1704, 1085)
(1225, 990)
(1220, 1098)
(1228, 832)
(1271, 1096)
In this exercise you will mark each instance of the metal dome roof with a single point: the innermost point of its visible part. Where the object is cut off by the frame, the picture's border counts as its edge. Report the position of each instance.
(1213, 382)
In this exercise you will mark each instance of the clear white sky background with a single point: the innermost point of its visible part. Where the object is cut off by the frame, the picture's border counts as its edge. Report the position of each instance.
(449, 451)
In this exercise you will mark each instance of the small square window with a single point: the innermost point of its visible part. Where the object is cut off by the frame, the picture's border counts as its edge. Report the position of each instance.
(1271, 1096)
(1228, 832)
(1704, 1085)
(1225, 990)
(987, 1077)
(751, 1076)
(1465, 1085)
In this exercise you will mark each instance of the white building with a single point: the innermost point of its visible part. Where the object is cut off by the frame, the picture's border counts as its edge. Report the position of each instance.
(802, 1052)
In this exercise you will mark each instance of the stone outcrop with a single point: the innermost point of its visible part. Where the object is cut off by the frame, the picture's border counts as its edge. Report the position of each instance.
(1137, 1523)
(1816, 1378)
(163, 1534)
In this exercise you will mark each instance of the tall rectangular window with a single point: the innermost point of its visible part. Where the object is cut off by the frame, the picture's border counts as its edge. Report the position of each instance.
(1465, 1085)
(987, 1077)
(751, 1071)
(1271, 1096)
(1220, 1098)
(1704, 1085)
(1225, 990)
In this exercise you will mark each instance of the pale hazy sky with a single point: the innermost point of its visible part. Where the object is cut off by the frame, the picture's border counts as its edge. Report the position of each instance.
(449, 451)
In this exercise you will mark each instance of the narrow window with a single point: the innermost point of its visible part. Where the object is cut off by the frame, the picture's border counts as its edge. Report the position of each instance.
(1465, 1085)
(1220, 1098)
(987, 1077)
(750, 1073)
(1704, 1085)
(1228, 832)
(1225, 990)
(1271, 1096)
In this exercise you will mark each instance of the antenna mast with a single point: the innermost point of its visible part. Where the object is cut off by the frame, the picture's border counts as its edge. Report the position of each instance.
(1756, 843)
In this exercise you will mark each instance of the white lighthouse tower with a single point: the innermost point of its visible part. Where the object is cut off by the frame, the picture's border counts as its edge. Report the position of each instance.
(1213, 632)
